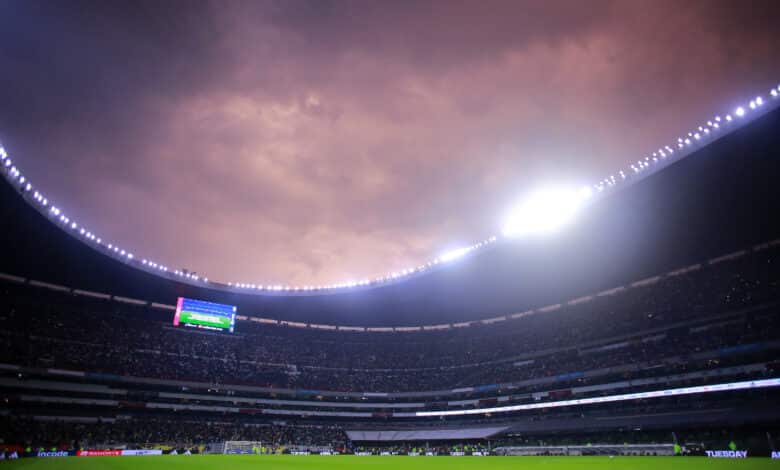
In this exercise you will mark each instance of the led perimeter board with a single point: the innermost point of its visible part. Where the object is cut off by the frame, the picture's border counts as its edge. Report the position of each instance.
(205, 315)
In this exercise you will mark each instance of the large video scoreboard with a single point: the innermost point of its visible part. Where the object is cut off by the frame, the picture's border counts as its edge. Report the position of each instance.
(205, 315)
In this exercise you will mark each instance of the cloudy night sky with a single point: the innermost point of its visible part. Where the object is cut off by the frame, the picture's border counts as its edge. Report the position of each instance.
(309, 142)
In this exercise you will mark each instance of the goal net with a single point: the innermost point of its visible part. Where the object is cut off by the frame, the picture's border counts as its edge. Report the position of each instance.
(242, 447)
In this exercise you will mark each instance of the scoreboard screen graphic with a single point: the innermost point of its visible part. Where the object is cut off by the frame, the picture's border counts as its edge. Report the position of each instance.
(204, 315)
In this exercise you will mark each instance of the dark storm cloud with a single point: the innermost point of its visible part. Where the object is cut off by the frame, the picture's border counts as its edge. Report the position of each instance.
(70, 58)
(309, 142)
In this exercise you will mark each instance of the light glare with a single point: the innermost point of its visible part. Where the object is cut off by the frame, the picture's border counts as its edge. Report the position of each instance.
(453, 254)
(543, 212)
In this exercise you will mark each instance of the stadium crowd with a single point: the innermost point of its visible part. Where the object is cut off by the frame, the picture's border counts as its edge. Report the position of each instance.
(163, 432)
(718, 306)
(201, 436)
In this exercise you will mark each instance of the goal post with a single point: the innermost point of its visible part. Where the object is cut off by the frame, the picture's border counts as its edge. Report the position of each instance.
(242, 447)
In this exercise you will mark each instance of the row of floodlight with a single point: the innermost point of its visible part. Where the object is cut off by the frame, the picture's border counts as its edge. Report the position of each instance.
(708, 130)
(532, 216)
(57, 215)
(444, 258)
(551, 208)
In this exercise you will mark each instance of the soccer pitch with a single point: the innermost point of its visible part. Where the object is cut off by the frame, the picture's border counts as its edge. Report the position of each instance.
(314, 462)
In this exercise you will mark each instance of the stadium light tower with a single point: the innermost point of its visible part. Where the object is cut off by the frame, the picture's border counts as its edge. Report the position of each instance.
(545, 211)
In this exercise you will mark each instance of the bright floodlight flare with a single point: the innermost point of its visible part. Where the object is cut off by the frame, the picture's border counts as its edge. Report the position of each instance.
(454, 254)
(545, 211)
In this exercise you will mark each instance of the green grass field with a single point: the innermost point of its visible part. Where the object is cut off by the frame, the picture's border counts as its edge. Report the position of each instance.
(291, 462)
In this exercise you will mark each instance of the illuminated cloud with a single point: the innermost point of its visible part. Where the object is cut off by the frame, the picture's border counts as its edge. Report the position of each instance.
(317, 142)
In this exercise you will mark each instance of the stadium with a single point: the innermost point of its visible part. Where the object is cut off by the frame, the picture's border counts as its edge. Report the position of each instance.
(629, 323)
